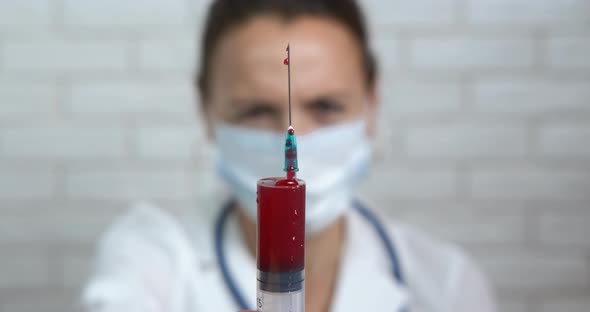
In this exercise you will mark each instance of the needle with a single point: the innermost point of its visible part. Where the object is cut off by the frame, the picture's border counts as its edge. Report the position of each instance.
(290, 146)
(288, 63)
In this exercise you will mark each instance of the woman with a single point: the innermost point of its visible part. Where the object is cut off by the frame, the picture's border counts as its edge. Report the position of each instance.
(355, 261)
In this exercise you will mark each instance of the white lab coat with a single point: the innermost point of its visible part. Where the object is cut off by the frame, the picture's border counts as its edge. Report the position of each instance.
(149, 261)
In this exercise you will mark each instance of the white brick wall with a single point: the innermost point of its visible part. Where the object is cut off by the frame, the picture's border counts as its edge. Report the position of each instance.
(124, 13)
(485, 135)
(530, 183)
(118, 97)
(25, 99)
(56, 56)
(507, 95)
(565, 140)
(164, 55)
(413, 183)
(548, 13)
(565, 230)
(22, 183)
(458, 52)
(532, 270)
(418, 12)
(467, 141)
(462, 224)
(25, 13)
(170, 142)
(407, 97)
(62, 142)
(108, 184)
(23, 268)
(574, 304)
(569, 52)
(50, 226)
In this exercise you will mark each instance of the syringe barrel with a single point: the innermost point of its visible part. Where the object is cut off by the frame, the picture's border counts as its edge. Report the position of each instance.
(280, 249)
(281, 225)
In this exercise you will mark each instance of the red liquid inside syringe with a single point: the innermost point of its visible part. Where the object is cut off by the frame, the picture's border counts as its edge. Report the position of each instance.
(281, 225)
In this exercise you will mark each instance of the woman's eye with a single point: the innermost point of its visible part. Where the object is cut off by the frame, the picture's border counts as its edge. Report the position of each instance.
(327, 105)
(325, 110)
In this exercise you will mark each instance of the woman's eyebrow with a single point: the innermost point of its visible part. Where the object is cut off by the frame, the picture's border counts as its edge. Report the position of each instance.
(333, 97)
(250, 108)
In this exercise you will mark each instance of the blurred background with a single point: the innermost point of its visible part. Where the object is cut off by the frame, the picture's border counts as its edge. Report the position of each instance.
(485, 135)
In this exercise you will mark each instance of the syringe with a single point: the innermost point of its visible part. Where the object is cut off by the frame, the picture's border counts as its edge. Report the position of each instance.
(280, 248)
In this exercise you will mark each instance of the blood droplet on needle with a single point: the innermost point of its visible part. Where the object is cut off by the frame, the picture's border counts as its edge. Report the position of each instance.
(286, 61)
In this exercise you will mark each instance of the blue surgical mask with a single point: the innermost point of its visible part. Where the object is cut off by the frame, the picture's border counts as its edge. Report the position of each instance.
(332, 161)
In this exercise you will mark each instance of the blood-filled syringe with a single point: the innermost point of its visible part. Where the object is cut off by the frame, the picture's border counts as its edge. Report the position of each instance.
(280, 251)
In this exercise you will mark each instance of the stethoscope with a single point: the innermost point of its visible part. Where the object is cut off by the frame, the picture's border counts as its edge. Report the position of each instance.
(359, 207)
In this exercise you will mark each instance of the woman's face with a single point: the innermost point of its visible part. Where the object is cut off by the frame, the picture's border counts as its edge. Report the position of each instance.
(248, 82)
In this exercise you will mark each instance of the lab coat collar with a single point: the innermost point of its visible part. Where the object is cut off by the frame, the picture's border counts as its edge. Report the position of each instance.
(366, 282)
(241, 263)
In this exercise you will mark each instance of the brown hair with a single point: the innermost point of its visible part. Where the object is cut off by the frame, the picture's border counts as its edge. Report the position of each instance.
(223, 15)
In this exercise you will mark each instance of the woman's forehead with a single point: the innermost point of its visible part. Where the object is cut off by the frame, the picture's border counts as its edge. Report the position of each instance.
(322, 52)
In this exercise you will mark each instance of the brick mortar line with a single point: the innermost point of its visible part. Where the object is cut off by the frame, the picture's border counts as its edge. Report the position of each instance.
(403, 51)
(63, 90)
(55, 264)
(143, 32)
(191, 15)
(530, 304)
(532, 227)
(487, 119)
(2, 69)
(533, 128)
(542, 296)
(409, 71)
(2, 151)
(133, 52)
(559, 75)
(461, 13)
(540, 50)
(468, 32)
(470, 29)
(526, 249)
(399, 136)
(57, 16)
(468, 96)
(464, 189)
(131, 141)
(59, 187)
